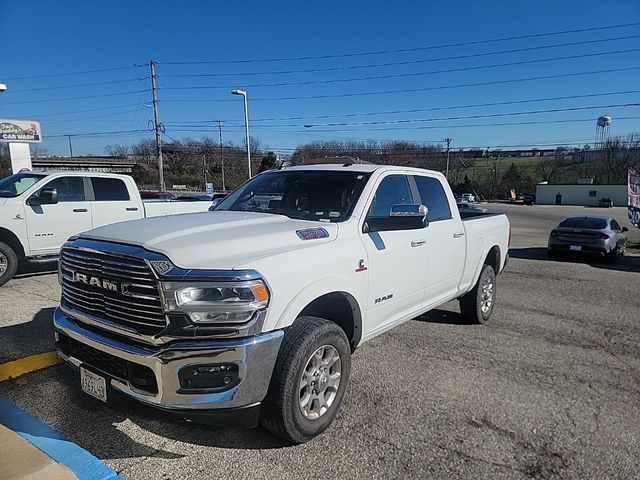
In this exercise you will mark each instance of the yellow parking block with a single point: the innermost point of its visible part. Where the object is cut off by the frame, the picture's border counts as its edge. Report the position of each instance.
(16, 368)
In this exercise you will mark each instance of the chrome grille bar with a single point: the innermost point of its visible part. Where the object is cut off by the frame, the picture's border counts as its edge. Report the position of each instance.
(122, 290)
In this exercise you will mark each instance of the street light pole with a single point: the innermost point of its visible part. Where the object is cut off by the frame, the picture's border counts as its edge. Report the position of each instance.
(246, 125)
(224, 187)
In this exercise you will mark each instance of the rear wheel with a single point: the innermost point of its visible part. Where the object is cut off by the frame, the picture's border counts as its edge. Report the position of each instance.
(477, 305)
(8, 263)
(309, 380)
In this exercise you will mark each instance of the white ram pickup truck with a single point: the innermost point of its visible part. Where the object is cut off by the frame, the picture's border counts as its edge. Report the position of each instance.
(40, 211)
(251, 312)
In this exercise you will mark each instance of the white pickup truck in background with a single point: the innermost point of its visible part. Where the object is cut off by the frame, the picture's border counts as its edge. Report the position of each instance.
(40, 211)
(252, 311)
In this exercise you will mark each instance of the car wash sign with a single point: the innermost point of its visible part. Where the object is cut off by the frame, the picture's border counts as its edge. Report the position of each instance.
(20, 131)
(634, 196)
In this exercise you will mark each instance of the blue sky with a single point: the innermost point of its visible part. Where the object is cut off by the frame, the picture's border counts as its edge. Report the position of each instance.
(43, 39)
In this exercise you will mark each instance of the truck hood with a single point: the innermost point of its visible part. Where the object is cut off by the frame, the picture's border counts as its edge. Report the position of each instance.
(216, 240)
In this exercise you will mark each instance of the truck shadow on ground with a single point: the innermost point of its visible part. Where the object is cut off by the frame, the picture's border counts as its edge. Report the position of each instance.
(109, 422)
(445, 317)
(24, 339)
(623, 264)
(28, 270)
(60, 401)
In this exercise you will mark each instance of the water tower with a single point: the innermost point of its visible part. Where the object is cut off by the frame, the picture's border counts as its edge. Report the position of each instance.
(603, 126)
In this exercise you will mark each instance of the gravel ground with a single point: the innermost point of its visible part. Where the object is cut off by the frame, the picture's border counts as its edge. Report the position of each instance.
(550, 388)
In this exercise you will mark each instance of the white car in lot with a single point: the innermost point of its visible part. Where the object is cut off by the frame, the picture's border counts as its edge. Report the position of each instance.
(251, 312)
(40, 211)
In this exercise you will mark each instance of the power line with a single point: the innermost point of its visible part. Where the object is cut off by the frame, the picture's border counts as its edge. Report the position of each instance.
(424, 89)
(405, 62)
(405, 75)
(420, 110)
(502, 124)
(79, 85)
(57, 122)
(453, 107)
(403, 50)
(466, 117)
(529, 122)
(64, 74)
(437, 119)
(97, 134)
(57, 114)
(74, 98)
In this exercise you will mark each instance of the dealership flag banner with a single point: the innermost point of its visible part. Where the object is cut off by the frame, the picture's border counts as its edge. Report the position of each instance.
(20, 131)
(634, 196)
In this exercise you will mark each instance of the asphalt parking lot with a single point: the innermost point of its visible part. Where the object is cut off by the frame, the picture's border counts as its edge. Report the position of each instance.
(550, 388)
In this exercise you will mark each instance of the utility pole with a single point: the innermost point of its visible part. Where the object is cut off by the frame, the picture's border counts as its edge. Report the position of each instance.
(152, 67)
(204, 168)
(448, 140)
(224, 187)
(70, 146)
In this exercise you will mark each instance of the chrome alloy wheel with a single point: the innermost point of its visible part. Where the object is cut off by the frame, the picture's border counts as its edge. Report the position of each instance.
(319, 382)
(4, 263)
(486, 299)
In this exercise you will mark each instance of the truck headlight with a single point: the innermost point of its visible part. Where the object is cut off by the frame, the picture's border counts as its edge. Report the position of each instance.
(224, 302)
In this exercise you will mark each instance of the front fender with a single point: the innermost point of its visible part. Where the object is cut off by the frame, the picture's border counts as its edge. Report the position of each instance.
(283, 312)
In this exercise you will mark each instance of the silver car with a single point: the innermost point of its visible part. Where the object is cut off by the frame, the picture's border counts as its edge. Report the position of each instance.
(591, 235)
(469, 207)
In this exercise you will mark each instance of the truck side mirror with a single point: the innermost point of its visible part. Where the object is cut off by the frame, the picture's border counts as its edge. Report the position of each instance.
(401, 217)
(625, 229)
(215, 203)
(47, 196)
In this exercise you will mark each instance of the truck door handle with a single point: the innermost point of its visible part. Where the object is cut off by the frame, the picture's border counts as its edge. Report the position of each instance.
(132, 209)
(80, 210)
(417, 243)
(458, 235)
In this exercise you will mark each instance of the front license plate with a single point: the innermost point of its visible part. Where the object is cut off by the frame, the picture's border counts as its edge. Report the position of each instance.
(575, 248)
(93, 384)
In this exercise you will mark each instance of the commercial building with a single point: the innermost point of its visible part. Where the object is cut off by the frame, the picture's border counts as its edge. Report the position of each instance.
(580, 194)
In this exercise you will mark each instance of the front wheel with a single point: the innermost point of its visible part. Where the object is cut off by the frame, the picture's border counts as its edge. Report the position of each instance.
(309, 380)
(477, 305)
(8, 263)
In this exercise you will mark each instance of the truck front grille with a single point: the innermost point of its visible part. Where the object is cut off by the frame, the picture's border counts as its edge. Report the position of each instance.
(121, 290)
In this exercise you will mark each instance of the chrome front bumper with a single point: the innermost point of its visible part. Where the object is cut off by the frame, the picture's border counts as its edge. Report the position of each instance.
(255, 357)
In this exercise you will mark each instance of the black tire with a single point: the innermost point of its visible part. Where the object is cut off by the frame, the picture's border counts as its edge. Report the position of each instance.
(612, 256)
(281, 412)
(8, 263)
(472, 303)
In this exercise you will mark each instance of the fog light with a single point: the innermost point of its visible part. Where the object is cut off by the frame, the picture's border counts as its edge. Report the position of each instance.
(219, 376)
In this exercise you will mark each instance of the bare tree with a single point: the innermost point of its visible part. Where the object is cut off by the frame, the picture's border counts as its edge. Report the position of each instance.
(119, 151)
(618, 155)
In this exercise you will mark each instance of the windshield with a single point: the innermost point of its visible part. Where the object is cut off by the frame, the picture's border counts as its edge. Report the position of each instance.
(591, 223)
(14, 185)
(310, 195)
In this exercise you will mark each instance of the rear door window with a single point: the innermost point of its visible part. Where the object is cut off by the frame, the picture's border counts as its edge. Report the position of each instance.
(433, 196)
(109, 189)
